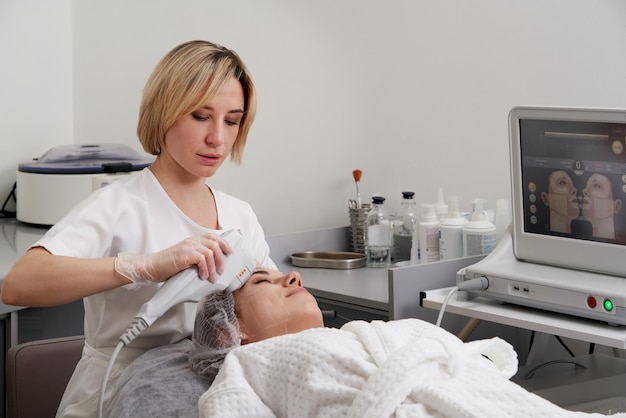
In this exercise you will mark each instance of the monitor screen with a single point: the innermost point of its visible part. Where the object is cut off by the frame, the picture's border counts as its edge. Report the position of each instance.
(569, 187)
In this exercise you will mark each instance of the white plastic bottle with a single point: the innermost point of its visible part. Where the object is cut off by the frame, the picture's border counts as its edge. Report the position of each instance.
(378, 235)
(502, 217)
(404, 228)
(479, 235)
(451, 232)
(441, 208)
(428, 232)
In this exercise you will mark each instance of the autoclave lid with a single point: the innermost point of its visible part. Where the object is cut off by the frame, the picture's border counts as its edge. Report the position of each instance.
(87, 158)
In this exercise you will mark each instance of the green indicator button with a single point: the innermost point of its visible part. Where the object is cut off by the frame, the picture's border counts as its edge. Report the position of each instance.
(608, 305)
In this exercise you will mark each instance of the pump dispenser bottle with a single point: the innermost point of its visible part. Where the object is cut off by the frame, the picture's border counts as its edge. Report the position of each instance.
(404, 228)
(428, 231)
(451, 232)
(502, 217)
(378, 235)
(479, 235)
(441, 208)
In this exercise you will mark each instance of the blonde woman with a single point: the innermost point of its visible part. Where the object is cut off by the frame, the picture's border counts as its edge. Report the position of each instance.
(114, 249)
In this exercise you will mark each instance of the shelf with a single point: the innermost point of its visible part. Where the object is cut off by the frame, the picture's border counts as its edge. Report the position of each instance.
(528, 318)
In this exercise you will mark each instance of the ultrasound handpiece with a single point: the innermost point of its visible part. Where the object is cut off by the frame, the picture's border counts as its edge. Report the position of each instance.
(186, 286)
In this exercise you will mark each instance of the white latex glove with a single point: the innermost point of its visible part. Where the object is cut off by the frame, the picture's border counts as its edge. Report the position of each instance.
(204, 251)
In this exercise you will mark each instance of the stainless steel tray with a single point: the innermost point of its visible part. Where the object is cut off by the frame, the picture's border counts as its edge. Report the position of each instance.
(328, 260)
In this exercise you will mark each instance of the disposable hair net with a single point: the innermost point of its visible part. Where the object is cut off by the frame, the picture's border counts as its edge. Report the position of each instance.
(215, 333)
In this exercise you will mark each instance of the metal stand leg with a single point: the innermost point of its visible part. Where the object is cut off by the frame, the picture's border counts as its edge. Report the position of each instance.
(537, 351)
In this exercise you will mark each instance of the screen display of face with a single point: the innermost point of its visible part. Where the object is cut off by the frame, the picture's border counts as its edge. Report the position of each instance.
(574, 179)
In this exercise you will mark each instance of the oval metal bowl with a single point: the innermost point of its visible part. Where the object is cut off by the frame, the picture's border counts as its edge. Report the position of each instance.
(328, 260)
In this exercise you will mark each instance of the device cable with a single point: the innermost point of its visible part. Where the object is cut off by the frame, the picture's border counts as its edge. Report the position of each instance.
(532, 341)
(480, 283)
(134, 329)
(118, 348)
(7, 213)
(570, 352)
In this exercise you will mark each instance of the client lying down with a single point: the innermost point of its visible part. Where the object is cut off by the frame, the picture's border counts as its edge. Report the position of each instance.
(268, 355)
(160, 382)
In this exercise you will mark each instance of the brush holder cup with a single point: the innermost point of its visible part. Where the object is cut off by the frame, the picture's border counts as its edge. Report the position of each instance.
(358, 217)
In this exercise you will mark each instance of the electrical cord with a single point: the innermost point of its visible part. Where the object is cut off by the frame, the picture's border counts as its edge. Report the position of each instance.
(532, 371)
(9, 236)
(134, 329)
(570, 352)
(480, 283)
(117, 350)
(7, 213)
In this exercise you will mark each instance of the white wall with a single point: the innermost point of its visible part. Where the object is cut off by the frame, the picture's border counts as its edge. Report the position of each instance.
(35, 82)
(414, 93)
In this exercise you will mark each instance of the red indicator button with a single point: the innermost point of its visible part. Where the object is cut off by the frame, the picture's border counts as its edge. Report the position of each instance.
(591, 302)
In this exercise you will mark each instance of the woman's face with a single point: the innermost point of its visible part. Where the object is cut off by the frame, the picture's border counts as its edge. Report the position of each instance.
(200, 142)
(272, 303)
(598, 200)
(561, 196)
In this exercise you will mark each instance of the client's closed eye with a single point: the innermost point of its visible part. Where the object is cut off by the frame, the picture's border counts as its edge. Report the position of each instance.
(260, 276)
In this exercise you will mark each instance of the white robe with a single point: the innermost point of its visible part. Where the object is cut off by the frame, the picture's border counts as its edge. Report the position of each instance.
(405, 368)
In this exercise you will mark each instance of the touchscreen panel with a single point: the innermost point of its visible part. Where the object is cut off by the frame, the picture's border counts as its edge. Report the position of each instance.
(574, 179)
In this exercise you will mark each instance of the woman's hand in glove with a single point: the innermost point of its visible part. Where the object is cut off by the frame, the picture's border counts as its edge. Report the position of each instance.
(204, 251)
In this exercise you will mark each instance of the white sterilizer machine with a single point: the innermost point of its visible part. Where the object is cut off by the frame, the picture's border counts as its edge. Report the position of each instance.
(49, 186)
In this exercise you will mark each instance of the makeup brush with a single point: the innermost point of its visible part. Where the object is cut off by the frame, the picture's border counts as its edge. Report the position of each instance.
(357, 177)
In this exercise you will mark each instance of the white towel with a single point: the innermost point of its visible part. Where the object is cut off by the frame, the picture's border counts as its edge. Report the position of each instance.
(406, 368)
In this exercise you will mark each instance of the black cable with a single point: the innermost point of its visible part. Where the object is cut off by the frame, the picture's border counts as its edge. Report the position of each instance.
(7, 213)
(10, 238)
(565, 346)
(532, 340)
(592, 347)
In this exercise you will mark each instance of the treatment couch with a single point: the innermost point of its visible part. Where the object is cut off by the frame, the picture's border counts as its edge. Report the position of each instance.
(37, 373)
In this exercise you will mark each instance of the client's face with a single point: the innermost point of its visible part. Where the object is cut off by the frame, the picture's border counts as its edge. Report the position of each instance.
(272, 303)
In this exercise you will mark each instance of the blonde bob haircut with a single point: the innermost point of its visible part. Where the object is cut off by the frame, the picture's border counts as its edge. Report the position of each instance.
(185, 79)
